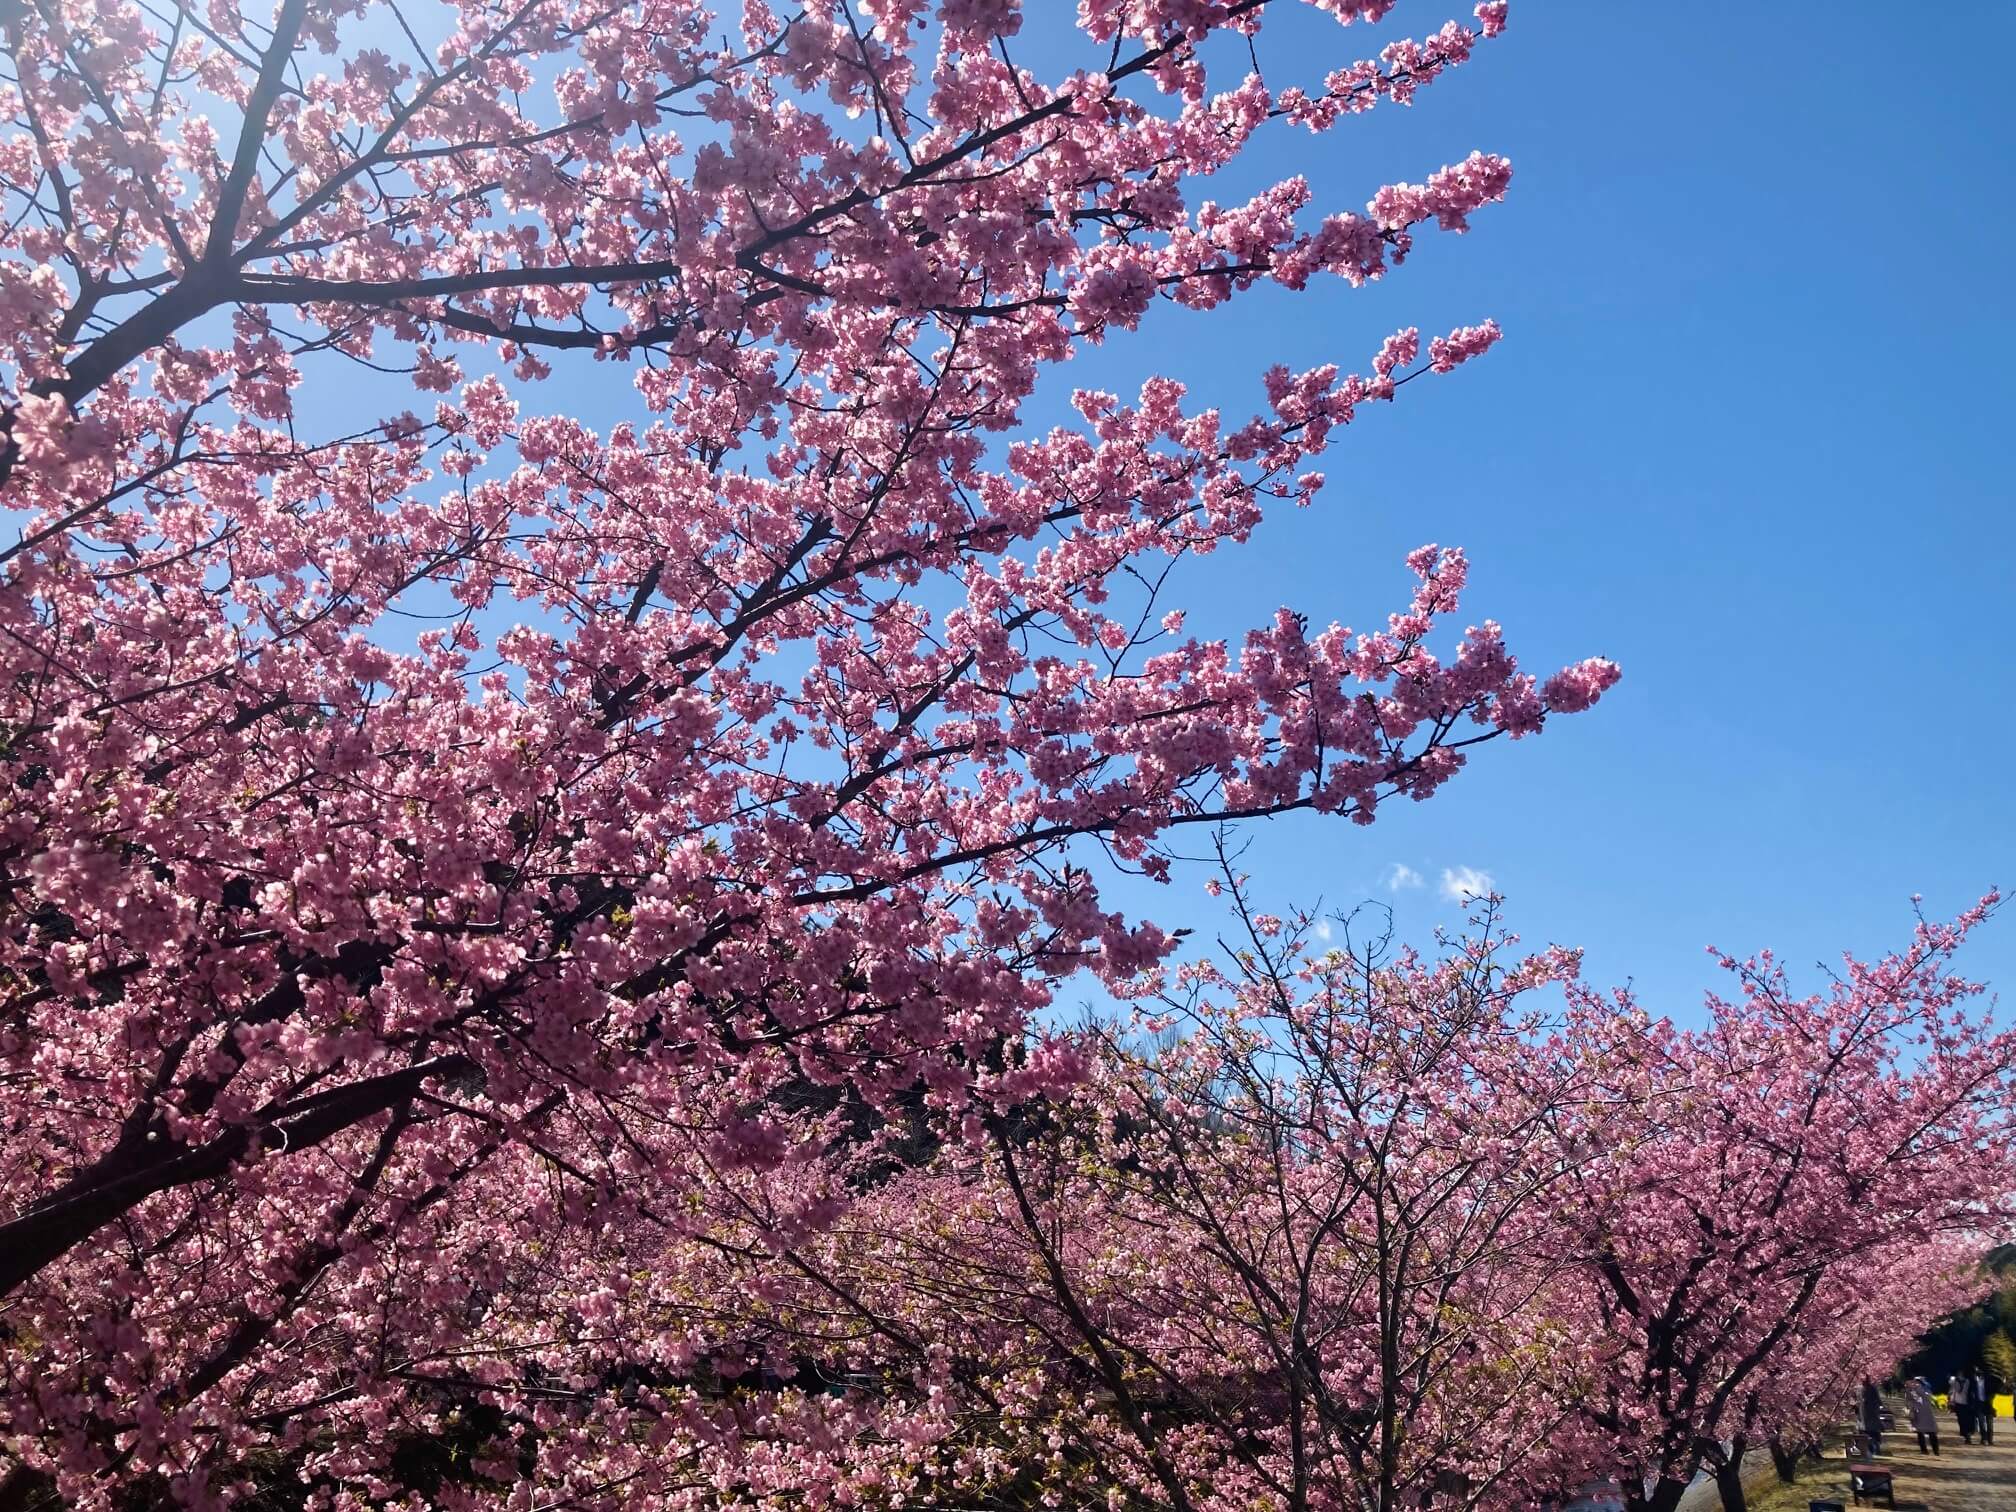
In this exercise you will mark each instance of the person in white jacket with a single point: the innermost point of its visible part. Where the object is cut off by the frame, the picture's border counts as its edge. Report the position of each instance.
(1960, 1397)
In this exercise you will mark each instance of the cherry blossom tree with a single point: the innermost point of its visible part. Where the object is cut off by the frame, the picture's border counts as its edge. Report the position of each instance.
(1869, 1319)
(1369, 1234)
(1329, 1189)
(353, 981)
(1274, 1248)
(1786, 1154)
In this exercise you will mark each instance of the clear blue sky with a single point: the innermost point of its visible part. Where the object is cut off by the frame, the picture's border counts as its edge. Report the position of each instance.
(1748, 434)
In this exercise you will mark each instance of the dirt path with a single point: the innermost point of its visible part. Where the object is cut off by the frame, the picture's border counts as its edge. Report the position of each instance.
(1974, 1477)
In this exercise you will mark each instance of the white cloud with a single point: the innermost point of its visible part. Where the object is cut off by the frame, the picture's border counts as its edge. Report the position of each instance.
(1400, 875)
(1323, 930)
(1461, 883)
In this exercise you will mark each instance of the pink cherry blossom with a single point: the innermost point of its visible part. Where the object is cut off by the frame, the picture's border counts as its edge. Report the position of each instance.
(559, 705)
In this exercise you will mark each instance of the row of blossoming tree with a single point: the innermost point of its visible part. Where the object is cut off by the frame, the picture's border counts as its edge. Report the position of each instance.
(1328, 1227)
(520, 938)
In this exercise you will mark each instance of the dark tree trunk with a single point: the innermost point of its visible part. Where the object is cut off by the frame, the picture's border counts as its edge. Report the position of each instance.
(1729, 1482)
(1663, 1497)
(1785, 1460)
(25, 1490)
(1727, 1468)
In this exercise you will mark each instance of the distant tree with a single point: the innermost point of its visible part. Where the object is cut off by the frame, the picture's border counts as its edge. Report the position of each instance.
(1998, 1353)
(1960, 1338)
(1787, 1145)
(1307, 1231)
(1866, 1318)
(1285, 1259)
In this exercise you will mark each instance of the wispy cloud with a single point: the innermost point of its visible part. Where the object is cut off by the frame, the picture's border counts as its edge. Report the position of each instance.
(1400, 876)
(1323, 929)
(1461, 883)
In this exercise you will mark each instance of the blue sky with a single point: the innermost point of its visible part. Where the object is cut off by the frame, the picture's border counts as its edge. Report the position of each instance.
(1747, 435)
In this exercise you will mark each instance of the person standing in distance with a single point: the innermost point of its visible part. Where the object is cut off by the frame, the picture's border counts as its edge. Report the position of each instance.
(1924, 1416)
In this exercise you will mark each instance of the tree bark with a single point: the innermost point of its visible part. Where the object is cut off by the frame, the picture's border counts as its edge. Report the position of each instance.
(45, 1233)
(1785, 1460)
(1726, 1465)
(1663, 1497)
(1729, 1483)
